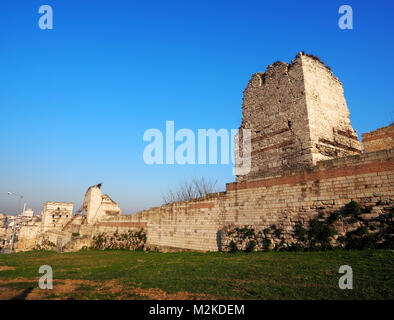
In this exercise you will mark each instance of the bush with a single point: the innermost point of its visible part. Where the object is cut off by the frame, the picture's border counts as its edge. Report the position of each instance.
(45, 245)
(233, 247)
(367, 209)
(267, 244)
(278, 232)
(300, 232)
(128, 241)
(353, 208)
(333, 217)
(320, 234)
(295, 247)
(246, 232)
(365, 242)
(251, 246)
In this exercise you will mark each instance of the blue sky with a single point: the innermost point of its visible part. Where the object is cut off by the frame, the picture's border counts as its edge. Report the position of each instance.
(76, 100)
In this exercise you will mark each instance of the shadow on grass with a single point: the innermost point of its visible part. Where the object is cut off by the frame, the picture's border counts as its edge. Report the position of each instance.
(23, 295)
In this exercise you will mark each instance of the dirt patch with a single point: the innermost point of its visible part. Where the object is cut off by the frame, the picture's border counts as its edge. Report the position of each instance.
(5, 268)
(16, 280)
(88, 289)
(158, 294)
(7, 294)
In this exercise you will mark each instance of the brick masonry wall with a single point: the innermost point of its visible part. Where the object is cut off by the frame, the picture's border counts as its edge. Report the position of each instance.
(272, 99)
(297, 115)
(380, 139)
(331, 134)
(280, 200)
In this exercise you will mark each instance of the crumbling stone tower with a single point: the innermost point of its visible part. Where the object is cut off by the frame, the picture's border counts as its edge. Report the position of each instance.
(297, 115)
(99, 206)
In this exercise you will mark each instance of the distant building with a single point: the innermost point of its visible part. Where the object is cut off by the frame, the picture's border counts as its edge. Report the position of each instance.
(55, 215)
(28, 213)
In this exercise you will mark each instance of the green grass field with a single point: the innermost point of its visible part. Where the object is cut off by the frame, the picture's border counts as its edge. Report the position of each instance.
(191, 275)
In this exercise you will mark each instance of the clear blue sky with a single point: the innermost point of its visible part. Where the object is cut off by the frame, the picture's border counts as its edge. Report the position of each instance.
(76, 100)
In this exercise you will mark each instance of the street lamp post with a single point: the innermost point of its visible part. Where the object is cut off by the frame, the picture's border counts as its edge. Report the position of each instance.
(14, 226)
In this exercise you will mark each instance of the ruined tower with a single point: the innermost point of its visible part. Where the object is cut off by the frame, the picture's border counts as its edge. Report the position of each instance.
(98, 206)
(297, 115)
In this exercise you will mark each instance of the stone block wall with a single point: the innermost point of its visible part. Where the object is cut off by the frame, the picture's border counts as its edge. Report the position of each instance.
(97, 205)
(297, 115)
(331, 134)
(277, 200)
(306, 160)
(55, 215)
(27, 237)
(380, 139)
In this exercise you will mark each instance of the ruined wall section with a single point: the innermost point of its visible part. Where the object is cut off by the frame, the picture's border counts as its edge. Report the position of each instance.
(27, 237)
(282, 201)
(186, 225)
(380, 139)
(297, 115)
(331, 134)
(274, 109)
(97, 205)
(55, 215)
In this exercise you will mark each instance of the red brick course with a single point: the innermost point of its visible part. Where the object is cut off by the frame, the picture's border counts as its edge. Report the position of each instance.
(268, 135)
(311, 176)
(346, 134)
(201, 205)
(339, 145)
(377, 137)
(276, 146)
(123, 224)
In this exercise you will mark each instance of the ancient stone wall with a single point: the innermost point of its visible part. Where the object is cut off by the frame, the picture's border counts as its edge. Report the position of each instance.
(97, 205)
(27, 237)
(297, 115)
(331, 133)
(278, 200)
(380, 139)
(306, 162)
(55, 215)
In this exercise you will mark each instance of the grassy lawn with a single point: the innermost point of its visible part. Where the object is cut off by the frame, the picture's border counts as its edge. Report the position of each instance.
(191, 275)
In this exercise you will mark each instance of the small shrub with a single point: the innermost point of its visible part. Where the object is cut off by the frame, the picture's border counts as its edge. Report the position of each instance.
(353, 208)
(267, 244)
(246, 232)
(278, 232)
(280, 246)
(295, 247)
(320, 234)
(233, 247)
(333, 217)
(367, 209)
(45, 244)
(361, 231)
(300, 232)
(130, 240)
(365, 242)
(251, 246)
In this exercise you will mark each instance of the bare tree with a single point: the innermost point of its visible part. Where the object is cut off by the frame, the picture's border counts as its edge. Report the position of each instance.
(196, 188)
